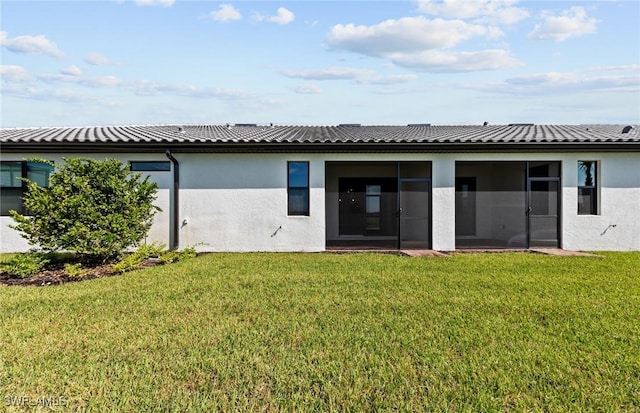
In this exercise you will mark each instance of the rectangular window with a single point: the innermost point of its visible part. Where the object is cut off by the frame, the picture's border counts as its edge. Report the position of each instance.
(373, 195)
(298, 188)
(12, 188)
(587, 188)
(149, 166)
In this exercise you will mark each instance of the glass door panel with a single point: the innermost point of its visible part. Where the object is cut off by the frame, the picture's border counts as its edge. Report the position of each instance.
(543, 213)
(414, 214)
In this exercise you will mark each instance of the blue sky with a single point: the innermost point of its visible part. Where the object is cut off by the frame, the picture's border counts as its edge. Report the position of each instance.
(79, 63)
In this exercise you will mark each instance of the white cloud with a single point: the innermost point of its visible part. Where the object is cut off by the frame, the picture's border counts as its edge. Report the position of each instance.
(418, 43)
(13, 73)
(569, 23)
(408, 34)
(226, 13)
(307, 89)
(332, 73)
(97, 59)
(72, 70)
(94, 82)
(150, 88)
(28, 44)
(163, 3)
(447, 62)
(30, 92)
(73, 76)
(621, 68)
(360, 76)
(283, 17)
(561, 83)
(495, 11)
(388, 80)
(101, 81)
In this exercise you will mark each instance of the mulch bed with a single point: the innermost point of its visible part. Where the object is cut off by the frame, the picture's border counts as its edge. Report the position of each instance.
(56, 275)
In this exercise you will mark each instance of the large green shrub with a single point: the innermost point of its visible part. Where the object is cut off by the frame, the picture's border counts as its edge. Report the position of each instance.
(96, 209)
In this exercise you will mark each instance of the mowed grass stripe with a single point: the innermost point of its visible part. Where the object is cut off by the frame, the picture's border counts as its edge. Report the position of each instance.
(334, 332)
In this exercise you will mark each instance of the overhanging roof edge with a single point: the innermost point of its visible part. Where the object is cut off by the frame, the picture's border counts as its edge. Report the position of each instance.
(120, 147)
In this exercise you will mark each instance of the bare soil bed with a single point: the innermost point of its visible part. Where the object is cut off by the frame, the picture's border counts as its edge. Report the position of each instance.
(54, 274)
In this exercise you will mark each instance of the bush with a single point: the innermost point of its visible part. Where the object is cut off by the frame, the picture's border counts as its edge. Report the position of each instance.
(96, 209)
(169, 257)
(75, 271)
(136, 258)
(25, 265)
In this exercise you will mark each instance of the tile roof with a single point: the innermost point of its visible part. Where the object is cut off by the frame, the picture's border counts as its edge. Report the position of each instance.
(342, 134)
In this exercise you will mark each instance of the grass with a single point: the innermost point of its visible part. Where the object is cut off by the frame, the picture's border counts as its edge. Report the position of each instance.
(323, 332)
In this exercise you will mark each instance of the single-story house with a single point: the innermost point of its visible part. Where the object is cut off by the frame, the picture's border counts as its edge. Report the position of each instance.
(248, 187)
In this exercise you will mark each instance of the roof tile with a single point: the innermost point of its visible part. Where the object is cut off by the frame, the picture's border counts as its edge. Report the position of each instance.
(227, 134)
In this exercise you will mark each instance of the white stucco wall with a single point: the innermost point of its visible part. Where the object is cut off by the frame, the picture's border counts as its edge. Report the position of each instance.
(617, 226)
(238, 202)
(443, 185)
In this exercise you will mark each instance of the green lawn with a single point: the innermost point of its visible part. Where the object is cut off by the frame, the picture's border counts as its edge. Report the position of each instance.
(318, 332)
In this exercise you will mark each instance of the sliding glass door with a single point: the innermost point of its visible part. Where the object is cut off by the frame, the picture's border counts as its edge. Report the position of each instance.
(378, 204)
(506, 204)
(414, 214)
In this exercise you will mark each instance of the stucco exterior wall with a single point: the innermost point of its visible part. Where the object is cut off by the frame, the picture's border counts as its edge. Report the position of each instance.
(617, 226)
(238, 202)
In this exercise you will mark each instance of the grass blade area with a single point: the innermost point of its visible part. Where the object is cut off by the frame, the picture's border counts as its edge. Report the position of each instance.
(476, 332)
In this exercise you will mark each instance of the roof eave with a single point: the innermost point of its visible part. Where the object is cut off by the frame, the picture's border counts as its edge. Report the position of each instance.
(349, 147)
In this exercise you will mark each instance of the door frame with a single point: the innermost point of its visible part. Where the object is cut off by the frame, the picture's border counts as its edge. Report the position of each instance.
(529, 207)
(530, 179)
(429, 203)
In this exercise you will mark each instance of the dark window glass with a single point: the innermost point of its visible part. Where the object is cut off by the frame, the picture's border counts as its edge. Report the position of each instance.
(298, 174)
(10, 174)
(372, 207)
(39, 173)
(150, 166)
(544, 169)
(12, 188)
(298, 188)
(587, 188)
(586, 173)
(11, 199)
(586, 201)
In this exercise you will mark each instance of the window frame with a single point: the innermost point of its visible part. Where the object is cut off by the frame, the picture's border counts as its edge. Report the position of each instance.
(306, 211)
(22, 188)
(593, 208)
